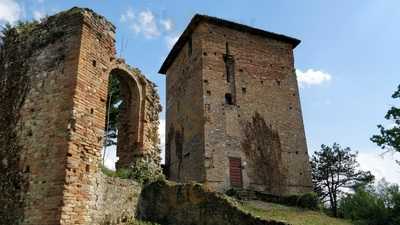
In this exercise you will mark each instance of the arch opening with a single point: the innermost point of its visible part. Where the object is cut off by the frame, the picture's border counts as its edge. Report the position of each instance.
(123, 128)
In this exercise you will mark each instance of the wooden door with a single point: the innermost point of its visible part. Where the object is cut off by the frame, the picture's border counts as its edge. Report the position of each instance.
(235, 172)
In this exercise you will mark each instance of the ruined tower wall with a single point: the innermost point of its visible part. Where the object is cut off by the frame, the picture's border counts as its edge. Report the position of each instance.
(87, 121)
(184, 125)
(263, 126)
(38, 68)
(53, 83)
(96, 63)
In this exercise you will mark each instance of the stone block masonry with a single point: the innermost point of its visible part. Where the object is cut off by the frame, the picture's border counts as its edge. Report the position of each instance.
(53, 92)
(169, 203)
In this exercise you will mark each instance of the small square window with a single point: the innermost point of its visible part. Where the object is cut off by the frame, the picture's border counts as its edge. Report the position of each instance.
(228, 99)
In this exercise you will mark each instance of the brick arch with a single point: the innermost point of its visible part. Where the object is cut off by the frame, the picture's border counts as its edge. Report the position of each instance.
(132, 113)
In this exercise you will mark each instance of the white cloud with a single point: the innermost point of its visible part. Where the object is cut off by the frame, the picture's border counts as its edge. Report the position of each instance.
(147, 23)
(38, 15)
(312, 77)
(381, 166)
(167, 24)
(10, 11)
(128, 15)
(171, 40)
(136, 28)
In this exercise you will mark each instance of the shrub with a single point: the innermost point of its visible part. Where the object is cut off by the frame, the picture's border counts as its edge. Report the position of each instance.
(142, 170)
(308, 200)
(372, 206)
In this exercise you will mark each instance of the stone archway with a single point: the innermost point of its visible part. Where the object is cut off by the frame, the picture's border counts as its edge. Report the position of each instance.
(131, 117)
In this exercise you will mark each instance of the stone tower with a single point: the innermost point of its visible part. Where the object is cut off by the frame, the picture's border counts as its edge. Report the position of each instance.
(233, 111)
(53, 92)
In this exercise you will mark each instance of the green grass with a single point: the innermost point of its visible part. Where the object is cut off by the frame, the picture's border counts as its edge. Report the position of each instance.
(139, 222)
(292, 215)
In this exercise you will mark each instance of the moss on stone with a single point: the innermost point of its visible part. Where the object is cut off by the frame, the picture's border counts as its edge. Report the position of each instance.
(166, 202)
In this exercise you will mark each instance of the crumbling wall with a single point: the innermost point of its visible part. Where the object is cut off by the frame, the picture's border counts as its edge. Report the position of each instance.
(37, 66)
(190, 204)
(53, 91)
(115, 200)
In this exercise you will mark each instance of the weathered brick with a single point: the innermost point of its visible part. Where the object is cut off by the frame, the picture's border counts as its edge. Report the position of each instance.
(232, 93)
(53, 90)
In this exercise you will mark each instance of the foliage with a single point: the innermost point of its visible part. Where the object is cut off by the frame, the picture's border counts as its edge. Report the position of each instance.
(114, 101)
(389, 138)
(373, 205)
(308, 201)
(143, 171)
(335, 168)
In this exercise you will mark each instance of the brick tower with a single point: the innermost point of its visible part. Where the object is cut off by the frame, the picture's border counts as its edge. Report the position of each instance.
(233, 111)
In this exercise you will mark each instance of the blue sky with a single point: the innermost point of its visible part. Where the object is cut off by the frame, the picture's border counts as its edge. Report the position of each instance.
(347, 61)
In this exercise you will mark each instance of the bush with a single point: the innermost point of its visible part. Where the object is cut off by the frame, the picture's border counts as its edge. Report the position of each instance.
(143, 171)
(308, 200)
(372, 206)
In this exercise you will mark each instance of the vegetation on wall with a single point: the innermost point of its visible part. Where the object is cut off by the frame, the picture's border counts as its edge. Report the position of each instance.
(143, 171)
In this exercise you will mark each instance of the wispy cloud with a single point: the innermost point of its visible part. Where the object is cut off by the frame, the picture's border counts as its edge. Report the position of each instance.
(143, 22)
(167, 24)
(10, 11)
(128, 15)
(147, 23)
(312, 77)
(171, 40)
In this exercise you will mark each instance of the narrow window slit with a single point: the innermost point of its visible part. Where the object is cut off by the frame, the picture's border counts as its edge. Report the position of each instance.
(228, 99)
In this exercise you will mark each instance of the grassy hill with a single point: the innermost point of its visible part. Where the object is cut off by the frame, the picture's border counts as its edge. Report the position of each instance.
(292, 215)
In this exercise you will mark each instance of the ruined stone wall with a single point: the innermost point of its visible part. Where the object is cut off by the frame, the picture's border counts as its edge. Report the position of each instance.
(184, 126)
(115, 200)
(37, 70)
(53, 83)
(191, 204)
(264, 125)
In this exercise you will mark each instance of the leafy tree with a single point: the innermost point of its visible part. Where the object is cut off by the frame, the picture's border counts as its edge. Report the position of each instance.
(373, 205)
(333, 169)
(113, 102)
(389, 138)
